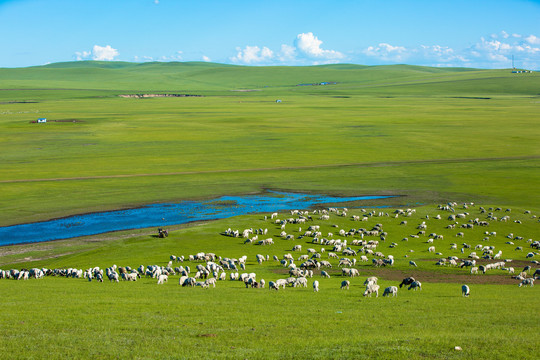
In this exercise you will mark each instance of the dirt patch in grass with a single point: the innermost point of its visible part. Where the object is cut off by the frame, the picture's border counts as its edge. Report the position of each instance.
(421, 275)
(439, 277)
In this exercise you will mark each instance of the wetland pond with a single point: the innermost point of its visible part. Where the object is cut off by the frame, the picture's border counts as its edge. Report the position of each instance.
(161, 215)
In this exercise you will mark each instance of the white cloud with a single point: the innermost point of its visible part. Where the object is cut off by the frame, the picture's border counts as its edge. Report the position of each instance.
(310, 46)
(206, 58)
(498, 54)
(104, 53)
(306, 50)
(253, 55)
(492, 51)
(287, 52)
(82, 55)
(97, 53)
(533, 40)
(387, 52)
(438, 55)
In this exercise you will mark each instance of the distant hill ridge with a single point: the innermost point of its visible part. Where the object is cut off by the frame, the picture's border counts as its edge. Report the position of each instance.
(212, 78)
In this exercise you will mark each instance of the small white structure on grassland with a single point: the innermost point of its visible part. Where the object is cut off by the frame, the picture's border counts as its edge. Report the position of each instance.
(42, 120)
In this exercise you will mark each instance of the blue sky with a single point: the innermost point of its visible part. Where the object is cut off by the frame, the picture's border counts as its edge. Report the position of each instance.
(483, 34)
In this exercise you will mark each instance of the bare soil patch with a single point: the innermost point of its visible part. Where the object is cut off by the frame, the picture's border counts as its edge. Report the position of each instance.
(398, 275)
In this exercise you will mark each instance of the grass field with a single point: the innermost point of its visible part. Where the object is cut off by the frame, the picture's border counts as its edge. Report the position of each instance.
(73, 318)
(430, 135)
(456, 134)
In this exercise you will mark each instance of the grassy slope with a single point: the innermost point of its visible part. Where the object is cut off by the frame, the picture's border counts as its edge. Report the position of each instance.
(231, 321)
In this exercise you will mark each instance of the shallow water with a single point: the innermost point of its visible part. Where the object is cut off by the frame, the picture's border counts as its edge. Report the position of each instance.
(160, 215)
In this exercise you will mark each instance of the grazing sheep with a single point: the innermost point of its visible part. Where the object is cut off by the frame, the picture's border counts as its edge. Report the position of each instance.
(371, 281)
(465, 291)
(316, 286)
(202, 284)
(273, 286)
(325, 274)
(282, 282)
(390, 290)
(162, 278)
(345, 284)
(113, 276)
(412, 263)
(407, 281)
(415, 286)
(130, 276)
(211, 281)
(301, 281)
(370, 289)
(527, 282)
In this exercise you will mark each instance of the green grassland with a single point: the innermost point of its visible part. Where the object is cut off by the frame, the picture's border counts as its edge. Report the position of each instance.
(74, 318)
(429, 135)
(459, 134)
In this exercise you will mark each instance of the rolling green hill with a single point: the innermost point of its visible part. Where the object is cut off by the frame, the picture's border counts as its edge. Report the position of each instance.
(208, 77)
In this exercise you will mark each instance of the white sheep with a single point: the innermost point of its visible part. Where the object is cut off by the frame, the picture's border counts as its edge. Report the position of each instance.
(527, 282)
(316, 286)
(211, 281)
(301, 281)
(390, 290)
(129, 276)
(465, 291)
(162, 278)
(345, 284)
(370, 289)
(202, 284)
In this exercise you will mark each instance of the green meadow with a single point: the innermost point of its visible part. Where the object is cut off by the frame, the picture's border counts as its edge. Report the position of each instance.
(426, 135)
(74, 318)
(431, 134)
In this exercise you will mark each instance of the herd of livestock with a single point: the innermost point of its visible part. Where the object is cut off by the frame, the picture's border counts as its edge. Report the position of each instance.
(342, 248)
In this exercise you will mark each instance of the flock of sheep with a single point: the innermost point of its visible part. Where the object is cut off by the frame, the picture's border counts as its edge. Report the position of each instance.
(346, 247)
